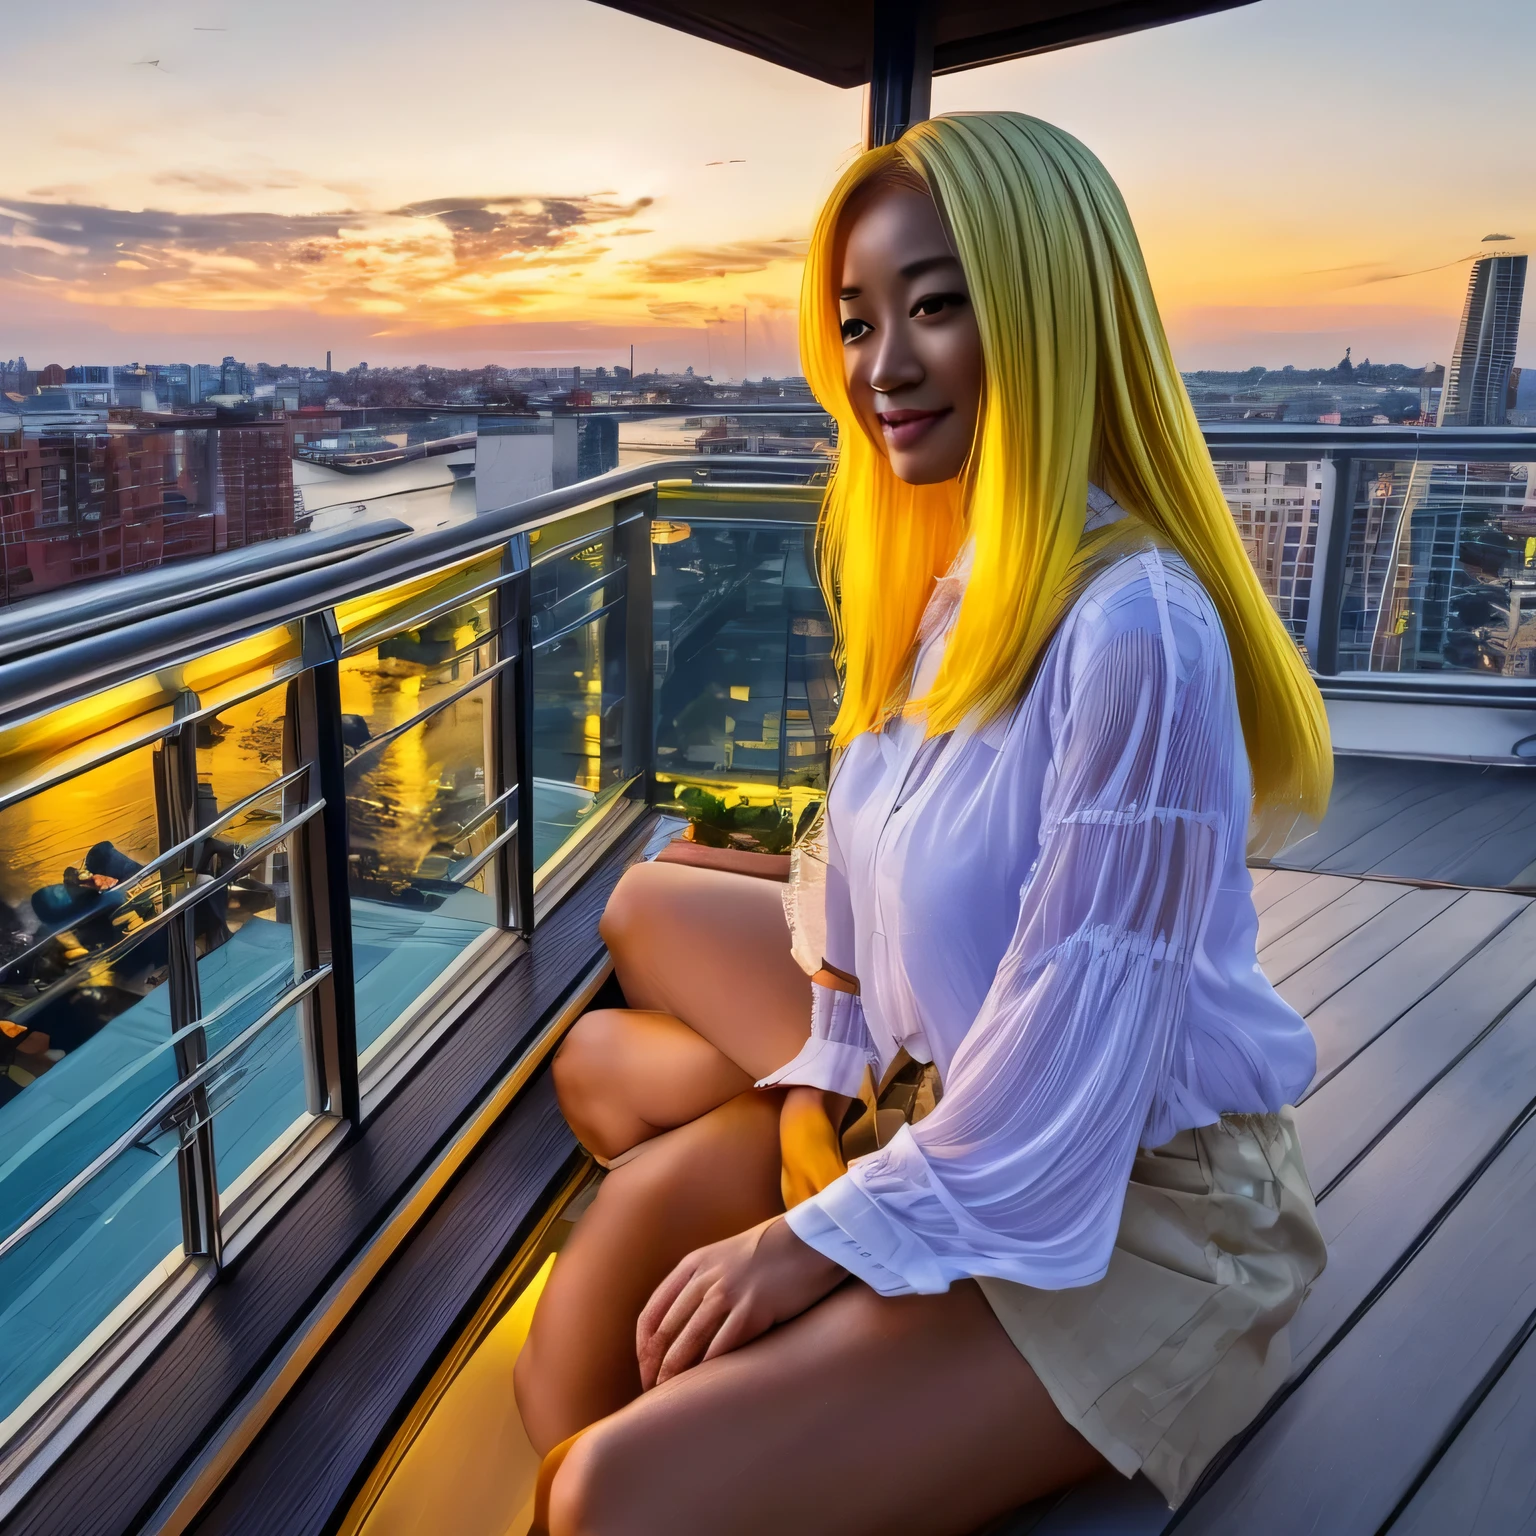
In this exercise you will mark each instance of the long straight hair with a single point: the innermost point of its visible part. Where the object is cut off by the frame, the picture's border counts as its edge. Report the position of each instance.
(1080, 384)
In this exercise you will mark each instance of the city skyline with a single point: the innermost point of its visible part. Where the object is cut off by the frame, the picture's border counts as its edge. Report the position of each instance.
(552, 185)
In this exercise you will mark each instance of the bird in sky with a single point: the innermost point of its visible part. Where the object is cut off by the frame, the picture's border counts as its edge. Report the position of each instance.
(724, 162)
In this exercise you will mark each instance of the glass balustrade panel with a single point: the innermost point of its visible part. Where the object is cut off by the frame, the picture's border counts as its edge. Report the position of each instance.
(1440, 569)
(259, 1101)
(722, 433)
(744, 688)
(88, 1044)
(67, 1283)
(1278, 508)
(578, 624)
(418, 787)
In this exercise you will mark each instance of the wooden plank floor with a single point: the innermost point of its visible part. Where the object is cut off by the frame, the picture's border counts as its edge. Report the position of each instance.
(1463, 823)
(1411, 1406)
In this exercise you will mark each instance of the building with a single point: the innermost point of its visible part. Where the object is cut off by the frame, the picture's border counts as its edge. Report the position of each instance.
(584, 446)
(234, 378)
(1431, 552)
(1277, 507)
(82, 500)
(1477, 383)
(250, 471)
(99, 385)
(206, 380)
(514, 459)
(16, 378)
(172, 385)
(80, 504)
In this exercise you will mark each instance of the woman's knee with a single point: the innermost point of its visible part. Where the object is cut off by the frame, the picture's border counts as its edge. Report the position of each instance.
(606, 1486)
(586, 1080)
(638, 903)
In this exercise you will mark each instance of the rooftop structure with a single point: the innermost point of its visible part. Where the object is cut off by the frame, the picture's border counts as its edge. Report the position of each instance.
(279, 1119)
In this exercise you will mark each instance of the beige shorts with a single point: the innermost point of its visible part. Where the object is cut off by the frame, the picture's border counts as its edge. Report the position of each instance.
(1184, 1340)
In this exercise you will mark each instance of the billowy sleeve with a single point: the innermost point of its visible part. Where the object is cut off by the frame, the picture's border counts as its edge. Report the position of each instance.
(840, 1048)
(1021, 1170)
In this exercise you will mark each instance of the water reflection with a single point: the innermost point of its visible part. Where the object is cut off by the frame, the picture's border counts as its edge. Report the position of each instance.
(579, 679)
(420, 777)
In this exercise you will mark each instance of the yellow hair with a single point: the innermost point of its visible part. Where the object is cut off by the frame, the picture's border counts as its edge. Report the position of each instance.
(1080, 384)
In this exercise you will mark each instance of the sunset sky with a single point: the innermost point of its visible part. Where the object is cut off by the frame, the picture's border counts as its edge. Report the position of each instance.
(517, 182)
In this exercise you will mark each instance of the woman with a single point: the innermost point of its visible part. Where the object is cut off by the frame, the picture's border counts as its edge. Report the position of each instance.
(1054, 654)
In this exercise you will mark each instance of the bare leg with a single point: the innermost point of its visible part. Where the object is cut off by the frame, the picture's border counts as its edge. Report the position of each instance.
(625, 1074)
(716, 1002)
(865, 1415)
(711, 949)
(716, 1176)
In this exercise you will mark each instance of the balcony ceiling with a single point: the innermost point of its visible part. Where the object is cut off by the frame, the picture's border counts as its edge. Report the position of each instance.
(830, 39)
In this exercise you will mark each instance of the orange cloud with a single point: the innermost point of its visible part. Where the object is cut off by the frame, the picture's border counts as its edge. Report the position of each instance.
(688, 264)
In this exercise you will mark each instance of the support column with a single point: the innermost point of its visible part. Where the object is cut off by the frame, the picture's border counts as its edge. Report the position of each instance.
(175, 776)
(901, 69)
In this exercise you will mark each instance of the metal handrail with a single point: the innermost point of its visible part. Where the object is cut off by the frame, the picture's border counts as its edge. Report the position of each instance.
(590, 616)
(64, 665)
(1280, 440)
(152, 1117)
(161, 861)
(483, 815)
(55, 674)
(195, 893)
(75, 612)
(463, 874)
(395, 732)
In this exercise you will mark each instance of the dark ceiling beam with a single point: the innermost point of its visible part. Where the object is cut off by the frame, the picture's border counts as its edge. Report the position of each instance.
(1089, 25)
(830, 40)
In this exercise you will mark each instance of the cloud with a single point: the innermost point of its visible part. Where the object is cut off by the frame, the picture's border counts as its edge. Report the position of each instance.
(447, 257)
(21, 239)
(490, 227)
(202, 179)
(687, 264)
(681, 312)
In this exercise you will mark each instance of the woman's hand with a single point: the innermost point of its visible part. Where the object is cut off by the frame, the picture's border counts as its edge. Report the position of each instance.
(726, 1295)
(809, 1145)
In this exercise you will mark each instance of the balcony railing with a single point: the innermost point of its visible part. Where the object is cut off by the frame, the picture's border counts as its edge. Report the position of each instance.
(260, 843)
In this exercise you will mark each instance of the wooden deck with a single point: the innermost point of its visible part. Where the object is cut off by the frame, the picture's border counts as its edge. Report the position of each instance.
(1412, 1404)
(1463, 823)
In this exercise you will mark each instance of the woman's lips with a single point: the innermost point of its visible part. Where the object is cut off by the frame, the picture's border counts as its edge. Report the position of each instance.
(904, 428)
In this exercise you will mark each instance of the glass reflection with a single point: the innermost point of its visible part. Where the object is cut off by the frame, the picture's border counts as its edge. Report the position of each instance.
(257, 1101)
(88, 1045)
(745, 689)
(1277, 506)
(1440, 570)
(577, 750)
(416, 799)
(66, 1278)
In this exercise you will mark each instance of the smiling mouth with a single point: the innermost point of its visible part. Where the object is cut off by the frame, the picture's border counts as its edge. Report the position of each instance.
(904, 428)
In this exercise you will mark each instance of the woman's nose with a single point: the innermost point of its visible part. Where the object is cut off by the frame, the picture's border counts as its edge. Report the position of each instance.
(895, 365)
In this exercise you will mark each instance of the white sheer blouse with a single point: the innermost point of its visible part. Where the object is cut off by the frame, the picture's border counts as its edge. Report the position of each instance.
(1056, 910)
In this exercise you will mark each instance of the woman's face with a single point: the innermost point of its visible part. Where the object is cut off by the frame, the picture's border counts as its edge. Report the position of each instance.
(911, 349)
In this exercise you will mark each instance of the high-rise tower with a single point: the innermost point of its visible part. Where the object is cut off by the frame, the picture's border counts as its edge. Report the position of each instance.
(1477, 382)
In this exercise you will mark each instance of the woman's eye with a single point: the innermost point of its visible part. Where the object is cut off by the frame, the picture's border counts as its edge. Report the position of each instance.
(853, 329)
(936, 303)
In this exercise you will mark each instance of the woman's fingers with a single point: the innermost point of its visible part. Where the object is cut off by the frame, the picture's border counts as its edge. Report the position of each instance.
(658, 1341)
(663, 1297)
(694, 1337)
(742, 1324)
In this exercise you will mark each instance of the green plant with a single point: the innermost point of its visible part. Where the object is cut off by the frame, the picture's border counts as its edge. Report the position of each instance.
(756, 828)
